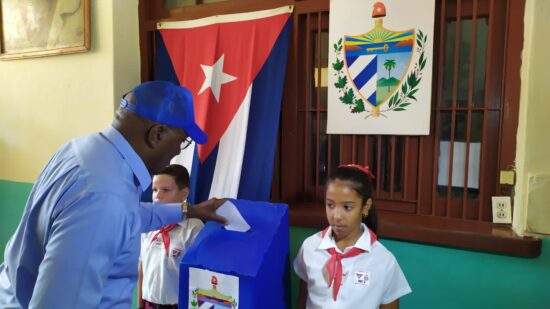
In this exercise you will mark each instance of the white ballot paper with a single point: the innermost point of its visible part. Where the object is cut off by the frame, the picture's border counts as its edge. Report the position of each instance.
(234, 218)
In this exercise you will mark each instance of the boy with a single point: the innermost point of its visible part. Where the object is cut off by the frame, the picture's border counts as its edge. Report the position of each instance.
(162, 250)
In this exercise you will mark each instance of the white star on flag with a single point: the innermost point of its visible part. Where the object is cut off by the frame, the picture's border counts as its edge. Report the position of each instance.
(215, 77)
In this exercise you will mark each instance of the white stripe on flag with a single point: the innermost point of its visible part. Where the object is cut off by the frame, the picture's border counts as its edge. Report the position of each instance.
(227, 174)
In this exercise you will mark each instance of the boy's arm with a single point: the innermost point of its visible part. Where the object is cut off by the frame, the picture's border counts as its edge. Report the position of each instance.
(302, 296)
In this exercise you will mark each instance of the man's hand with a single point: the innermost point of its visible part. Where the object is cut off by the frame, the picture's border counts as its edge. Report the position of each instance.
(206, 210)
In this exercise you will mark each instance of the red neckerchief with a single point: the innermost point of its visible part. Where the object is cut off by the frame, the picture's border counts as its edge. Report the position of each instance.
(334, 263)
(165, 237)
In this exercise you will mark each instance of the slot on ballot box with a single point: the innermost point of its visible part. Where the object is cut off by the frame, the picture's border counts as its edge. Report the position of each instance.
(230, 269)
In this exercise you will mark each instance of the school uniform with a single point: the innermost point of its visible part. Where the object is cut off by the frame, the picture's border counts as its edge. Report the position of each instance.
(370, 277)
(160, 261)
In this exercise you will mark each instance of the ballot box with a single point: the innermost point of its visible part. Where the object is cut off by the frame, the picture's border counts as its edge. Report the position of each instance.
(229, 269)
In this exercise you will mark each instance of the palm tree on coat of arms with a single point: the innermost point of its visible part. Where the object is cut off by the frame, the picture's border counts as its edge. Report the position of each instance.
(389, 65)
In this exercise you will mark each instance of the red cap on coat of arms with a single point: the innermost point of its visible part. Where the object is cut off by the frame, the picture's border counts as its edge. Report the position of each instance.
(379, 10)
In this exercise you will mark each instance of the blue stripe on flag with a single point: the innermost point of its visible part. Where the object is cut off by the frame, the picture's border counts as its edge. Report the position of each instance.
(263, 122)
(366, 74)
(164, 70)
(201, 176)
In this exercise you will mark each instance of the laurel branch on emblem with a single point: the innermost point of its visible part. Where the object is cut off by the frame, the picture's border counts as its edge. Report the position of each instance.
(194, 303)
(402, 98)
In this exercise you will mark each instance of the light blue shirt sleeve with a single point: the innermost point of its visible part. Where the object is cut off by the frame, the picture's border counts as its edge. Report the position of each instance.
(156, 215)
(84, 241)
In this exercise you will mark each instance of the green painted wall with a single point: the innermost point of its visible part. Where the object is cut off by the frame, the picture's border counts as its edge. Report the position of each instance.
(13, 197)
(440, 277)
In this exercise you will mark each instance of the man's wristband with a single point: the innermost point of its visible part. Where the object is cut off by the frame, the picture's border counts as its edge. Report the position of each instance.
(184, 210)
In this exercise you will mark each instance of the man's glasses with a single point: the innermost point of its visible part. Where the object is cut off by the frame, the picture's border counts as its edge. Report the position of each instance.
(185, 142)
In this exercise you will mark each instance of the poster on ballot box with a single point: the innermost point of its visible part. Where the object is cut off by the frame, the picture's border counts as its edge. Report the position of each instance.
(212, 290)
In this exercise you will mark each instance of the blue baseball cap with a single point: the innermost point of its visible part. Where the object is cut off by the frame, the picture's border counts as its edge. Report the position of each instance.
(166, 103)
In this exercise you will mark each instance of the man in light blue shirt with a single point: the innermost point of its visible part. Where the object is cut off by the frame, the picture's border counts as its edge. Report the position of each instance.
(78, 242)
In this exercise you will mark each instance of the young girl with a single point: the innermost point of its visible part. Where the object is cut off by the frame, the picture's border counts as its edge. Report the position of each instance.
(344, 266)
(162, 250)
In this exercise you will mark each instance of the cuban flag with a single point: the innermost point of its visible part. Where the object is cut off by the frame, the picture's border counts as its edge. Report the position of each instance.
(235, 66)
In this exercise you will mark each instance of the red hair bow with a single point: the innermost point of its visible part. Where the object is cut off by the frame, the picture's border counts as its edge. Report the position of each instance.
(365, 169)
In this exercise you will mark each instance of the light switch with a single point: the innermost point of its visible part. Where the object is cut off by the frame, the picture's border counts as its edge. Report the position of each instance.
(507, 177)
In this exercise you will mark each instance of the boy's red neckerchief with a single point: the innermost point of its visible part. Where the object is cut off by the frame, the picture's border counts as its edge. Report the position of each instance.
(163, 232)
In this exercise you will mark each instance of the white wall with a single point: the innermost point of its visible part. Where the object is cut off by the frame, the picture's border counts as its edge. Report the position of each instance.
(533, 142)
(46, 101)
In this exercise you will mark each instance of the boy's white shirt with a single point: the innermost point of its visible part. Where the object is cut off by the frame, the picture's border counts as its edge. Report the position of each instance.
(370, 278)
(161, 273)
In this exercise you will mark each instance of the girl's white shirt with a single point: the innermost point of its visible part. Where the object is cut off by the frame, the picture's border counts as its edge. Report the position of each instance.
(369, 279)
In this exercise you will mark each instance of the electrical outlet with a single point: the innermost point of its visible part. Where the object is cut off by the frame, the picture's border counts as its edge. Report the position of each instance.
(502, 209)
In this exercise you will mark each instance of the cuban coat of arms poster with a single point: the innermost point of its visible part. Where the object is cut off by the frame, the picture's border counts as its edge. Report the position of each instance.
(212, 290)
(380, 67)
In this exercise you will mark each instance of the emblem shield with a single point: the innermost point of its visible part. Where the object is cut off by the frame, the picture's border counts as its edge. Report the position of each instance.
(376, 62)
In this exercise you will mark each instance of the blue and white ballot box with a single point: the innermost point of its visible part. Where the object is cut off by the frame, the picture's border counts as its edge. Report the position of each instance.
(229, 269)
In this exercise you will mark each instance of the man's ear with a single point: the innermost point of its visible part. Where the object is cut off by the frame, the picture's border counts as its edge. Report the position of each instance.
(155, 134)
